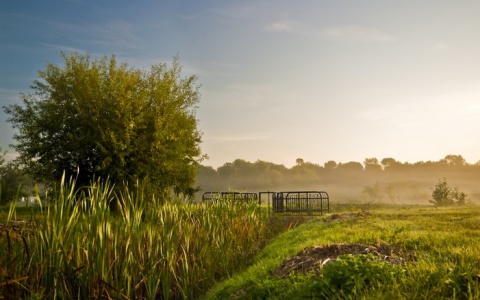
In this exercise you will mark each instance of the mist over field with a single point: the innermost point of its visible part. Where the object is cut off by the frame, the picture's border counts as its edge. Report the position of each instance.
(385, 181)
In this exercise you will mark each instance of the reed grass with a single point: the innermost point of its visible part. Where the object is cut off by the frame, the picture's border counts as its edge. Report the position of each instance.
(144, 249)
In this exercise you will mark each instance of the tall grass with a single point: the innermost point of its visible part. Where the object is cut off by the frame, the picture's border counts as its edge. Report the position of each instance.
(82, 249)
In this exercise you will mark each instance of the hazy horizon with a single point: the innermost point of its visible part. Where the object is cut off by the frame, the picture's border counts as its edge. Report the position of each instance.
(399, 183)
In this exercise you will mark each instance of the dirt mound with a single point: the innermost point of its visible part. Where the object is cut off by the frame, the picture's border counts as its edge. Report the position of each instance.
(312, 259)
(343, 216)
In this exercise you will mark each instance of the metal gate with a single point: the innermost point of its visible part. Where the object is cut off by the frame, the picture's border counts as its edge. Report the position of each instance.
(297, 202)
(293, 202)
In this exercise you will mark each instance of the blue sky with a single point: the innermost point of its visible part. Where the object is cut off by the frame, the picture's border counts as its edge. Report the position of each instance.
(280, 80)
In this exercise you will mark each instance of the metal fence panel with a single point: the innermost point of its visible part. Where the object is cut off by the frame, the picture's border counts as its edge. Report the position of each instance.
(291, 202)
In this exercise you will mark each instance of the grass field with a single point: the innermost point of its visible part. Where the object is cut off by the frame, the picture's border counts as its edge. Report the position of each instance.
(440, 249)
(79, 248)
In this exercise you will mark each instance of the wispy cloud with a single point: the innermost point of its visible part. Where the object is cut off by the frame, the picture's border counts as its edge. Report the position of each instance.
(8, 96)
(441, 48)
(117, 33)
(114, 33)
(281, 27)
(356, 33)
(346, 33)
(64, 48)
(257, 97)
(249, 96)
(243, 137)
(431, 111)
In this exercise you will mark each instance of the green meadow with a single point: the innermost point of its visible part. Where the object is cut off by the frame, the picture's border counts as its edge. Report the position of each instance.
(106, 242)
(440, 249)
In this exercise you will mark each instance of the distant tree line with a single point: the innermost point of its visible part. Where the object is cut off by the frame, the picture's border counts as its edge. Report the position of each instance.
(386, 180)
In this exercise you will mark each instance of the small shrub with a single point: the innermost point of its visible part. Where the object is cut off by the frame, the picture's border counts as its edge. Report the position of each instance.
(350, 274)
(444, 195)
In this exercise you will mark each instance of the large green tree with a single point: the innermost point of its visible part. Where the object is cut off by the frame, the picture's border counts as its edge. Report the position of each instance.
(98, 117)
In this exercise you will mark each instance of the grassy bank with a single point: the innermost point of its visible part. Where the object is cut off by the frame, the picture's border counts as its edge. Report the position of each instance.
(439, 250)
(79, 248)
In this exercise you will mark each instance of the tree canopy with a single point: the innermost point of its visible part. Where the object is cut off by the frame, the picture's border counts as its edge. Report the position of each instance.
(101, 118)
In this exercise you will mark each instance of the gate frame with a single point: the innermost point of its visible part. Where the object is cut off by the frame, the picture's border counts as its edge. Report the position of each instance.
(279, 202)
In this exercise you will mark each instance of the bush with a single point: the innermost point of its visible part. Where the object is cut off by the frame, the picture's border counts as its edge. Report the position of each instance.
(350, 274)
(444, 195)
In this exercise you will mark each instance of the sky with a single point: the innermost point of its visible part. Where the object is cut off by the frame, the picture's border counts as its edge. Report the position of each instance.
(280, 80)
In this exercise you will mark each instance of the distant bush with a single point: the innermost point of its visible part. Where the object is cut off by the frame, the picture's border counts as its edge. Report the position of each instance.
(444, 195)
